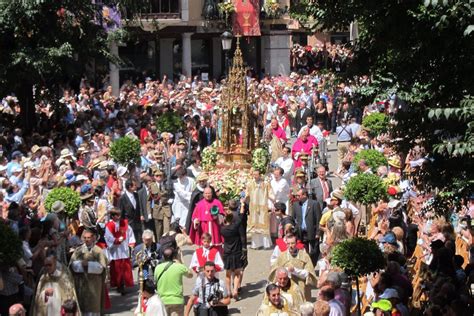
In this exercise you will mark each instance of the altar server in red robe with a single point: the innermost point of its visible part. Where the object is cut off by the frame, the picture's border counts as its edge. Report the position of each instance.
(204, 254)
(119, 237)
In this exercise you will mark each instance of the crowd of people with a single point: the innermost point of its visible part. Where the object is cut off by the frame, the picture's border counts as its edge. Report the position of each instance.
(144, 214)
(332, 57)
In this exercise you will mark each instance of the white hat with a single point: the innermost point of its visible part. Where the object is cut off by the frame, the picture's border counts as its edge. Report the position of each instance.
(339, 216)
(81, 177)
(121, 171)
(389, 293)
(394, 203)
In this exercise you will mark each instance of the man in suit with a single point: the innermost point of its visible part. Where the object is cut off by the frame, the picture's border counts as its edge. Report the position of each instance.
(321, 187)
(306, 214)
(130, 208)
(159, 205)
(143, 194)
(207, 134)
(301, 115)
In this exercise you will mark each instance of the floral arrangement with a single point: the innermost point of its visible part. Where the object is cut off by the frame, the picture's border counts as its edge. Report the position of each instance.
(10, 247)
(260, 159)
(125, 150)
(226, 9)
(365, 188)
(376, 123)
(209, 158)
(272, 9)
(69, 197)
(372, 157)
(228, 183)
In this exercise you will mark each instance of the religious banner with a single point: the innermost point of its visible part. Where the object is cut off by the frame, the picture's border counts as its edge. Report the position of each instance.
(246, 18)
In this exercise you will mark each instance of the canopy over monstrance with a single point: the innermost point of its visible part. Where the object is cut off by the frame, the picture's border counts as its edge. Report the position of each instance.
(237, 138)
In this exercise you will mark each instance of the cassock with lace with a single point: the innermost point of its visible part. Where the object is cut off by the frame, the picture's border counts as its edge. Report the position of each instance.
(119, 237)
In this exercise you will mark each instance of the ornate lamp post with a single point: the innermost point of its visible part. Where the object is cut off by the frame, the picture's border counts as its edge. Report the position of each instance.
(226, 39)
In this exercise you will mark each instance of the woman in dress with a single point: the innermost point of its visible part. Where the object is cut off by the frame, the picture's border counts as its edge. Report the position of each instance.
(321, 114)
(233, 262)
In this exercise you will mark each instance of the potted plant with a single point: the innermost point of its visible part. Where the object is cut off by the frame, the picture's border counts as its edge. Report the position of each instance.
(372, 157)
(357, 257)
(226, 9)
(125, 151)
(366, 189)
(69, 197)
(376, 123)
(272, 9)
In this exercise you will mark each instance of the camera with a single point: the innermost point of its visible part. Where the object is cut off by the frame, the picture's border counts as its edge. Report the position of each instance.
(215, 297)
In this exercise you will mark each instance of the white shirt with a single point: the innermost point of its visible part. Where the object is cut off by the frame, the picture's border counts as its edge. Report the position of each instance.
(288, 165)
(281, 190)
(131, 197)
(314, 131)
(336, 308)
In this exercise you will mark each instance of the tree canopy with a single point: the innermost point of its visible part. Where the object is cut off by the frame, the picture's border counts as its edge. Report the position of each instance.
(420, 53)
(49, 43)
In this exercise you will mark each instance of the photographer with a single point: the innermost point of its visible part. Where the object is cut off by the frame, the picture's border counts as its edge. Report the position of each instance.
(210, 297)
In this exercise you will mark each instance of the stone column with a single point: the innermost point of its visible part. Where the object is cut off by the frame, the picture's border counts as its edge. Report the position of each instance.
(185, 10)
(277, 53)
(114, 72)
(186, 58)
(166, 57)
(216, 57)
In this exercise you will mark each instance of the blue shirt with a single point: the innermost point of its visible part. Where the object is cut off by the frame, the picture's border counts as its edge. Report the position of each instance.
(304, 206)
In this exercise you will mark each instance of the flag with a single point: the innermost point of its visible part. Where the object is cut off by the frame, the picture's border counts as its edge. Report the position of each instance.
(246, 18)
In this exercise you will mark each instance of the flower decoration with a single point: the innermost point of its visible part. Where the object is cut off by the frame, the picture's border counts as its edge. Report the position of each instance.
(228, 183)
(209, 158)
(260, 159)
(272, 9)
(226, 9)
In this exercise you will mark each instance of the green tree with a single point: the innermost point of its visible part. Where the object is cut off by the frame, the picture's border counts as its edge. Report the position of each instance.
(372, 157)
(421, 51)
(358, 257)
(48, 43)
(125, 150)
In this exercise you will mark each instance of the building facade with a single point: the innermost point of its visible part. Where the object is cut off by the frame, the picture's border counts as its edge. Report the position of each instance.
(174, 38)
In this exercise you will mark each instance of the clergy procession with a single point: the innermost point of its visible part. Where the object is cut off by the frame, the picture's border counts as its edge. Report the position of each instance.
(255, 194)
(290, 209)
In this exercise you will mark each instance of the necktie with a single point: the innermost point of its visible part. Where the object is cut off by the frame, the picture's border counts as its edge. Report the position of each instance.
(325, 189)
(208, 135)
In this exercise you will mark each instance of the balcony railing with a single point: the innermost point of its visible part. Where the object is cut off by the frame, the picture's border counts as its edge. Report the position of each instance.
(162, 9)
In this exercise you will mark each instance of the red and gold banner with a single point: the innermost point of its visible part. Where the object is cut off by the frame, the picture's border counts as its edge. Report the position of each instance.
(246, 18)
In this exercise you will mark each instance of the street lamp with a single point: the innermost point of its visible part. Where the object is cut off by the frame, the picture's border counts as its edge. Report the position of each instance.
(226, 39)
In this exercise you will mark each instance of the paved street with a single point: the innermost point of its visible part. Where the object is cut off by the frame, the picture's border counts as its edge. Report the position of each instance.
(255, 277)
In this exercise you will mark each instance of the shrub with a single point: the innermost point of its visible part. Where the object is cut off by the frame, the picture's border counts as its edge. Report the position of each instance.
(358, 256)
(10, 246)
(372, 157)
(169, 122)
(365, 188)
(125, 150)
(377, 123)
(69, 197)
